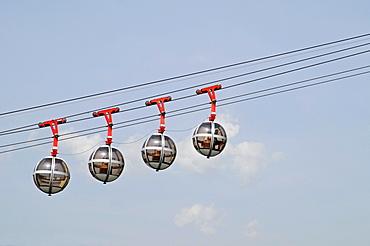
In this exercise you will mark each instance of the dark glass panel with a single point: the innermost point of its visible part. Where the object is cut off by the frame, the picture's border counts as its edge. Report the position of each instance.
(153, 155)
(219, 130)
(43, 179)
(204, 128)
(169, 143)
(143, 155)
(102, 153)
(116, 169)
(101, 167)
(45, 164)
(204, 142)
(155, 141)
(117, 155)
(169, 157)
(60, 166)
(60, 180)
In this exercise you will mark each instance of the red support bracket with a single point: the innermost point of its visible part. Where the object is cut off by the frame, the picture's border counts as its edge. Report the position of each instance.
(54, 129)
(108, 117)
(160, 104)
(212, 95)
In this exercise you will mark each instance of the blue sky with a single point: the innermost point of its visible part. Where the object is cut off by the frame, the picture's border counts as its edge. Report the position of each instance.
(295, 169)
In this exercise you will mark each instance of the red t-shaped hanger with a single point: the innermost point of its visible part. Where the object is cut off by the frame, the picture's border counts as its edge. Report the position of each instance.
(108, 117)
(54, 128)
(160, 104)
(212, 95)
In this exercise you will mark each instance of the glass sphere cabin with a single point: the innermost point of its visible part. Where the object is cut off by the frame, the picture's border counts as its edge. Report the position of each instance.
(106, 163)
(51, 175)
(209, 138)
(158, 151)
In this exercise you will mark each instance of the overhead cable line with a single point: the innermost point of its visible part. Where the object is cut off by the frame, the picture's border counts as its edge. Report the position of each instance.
(199, 105)
(7, 132)
(178, 77)
(292, 89)
(31, 127)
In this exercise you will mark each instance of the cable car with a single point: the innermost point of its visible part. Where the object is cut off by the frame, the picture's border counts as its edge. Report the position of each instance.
(51, 175)
(106, 163)
(159, 151)
(209, 138)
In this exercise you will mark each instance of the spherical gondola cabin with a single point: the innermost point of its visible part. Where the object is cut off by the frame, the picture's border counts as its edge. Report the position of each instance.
(159, 151)
(209, 138)
(106, 163)
(51, 175)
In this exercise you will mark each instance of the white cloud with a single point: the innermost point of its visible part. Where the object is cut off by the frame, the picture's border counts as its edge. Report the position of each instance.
(206, 219)
(80, 148)
(191, 159)
(247, 159)
(250, 230)
(226, 120)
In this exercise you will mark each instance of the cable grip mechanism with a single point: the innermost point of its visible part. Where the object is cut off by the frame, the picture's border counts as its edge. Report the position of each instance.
(212, 95)
(160, 104)
(54, 129)
(107, 113)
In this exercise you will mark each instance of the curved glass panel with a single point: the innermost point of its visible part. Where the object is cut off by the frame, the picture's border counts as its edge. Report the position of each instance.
(60, 180)
(116, 169)
(102, 153)
(219, 144)
(153, 155)
(154, 141)
(45, 164)
(203, 142)
(42, 179)
(91, 169)
(169, 157)
(169, 143)
(117, 155)
(219, 130)
(100, 167)
(205, 128)
(60, 166)
(143, 155)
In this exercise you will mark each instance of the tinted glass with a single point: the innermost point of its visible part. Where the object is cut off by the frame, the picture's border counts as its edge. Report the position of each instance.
(169, 143)
(155, 140)
(143, 155)
(219, 144)
(102, 153)
(117, 155)
(205, 128)
(169, 157)
(45, 164)
(60, 180)
(153, 155)
(116, 169)
(203, 142)
(101, 167)
(60, 166)
(219, 130)
(43, 179)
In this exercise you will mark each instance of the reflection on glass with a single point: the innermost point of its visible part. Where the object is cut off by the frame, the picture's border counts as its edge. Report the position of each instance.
(102, 153)
(205, 128)
(117, 155)
(45, 164)
(155, 141)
